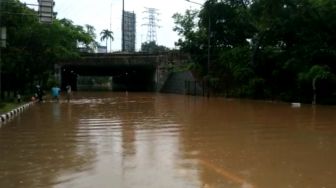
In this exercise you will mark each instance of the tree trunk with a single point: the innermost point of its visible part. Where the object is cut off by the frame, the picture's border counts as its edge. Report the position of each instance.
(106, 45)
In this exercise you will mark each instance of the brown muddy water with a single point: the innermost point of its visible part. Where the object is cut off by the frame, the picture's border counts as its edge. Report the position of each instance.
(147, 140)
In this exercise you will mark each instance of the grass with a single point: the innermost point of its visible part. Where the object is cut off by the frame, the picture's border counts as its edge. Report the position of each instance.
(8, 106)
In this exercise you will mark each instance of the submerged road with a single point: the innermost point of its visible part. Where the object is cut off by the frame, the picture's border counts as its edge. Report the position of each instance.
(148, 140)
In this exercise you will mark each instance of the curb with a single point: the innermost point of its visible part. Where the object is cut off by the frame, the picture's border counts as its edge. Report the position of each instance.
(9, 115)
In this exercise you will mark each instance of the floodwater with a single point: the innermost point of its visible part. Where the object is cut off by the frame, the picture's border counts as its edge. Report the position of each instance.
(148, 140)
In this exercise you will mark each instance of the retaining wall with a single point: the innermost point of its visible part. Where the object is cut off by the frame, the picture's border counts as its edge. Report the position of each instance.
(179, 82)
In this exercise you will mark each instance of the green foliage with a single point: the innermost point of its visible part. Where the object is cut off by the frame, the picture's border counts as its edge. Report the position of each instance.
(316, 72)
(186, 28)
(52, 82)
(8, 106)
(194, 38)
(33, 48)
(152, 47)
(265, 48)
(232, 69)
(90, 38)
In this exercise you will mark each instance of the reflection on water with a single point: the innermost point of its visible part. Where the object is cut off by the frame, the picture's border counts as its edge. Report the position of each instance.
(153, 140)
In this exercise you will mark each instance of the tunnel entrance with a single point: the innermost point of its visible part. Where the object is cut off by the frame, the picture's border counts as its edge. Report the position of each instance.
(123, 78)
(128, 71)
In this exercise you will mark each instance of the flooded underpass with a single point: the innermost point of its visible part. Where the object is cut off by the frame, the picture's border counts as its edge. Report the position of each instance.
(148, 140)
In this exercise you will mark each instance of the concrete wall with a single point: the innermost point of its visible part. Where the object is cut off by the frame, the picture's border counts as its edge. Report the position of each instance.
(182, 83)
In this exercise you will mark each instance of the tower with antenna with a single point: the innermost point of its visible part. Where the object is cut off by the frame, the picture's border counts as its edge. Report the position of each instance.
(152, 23)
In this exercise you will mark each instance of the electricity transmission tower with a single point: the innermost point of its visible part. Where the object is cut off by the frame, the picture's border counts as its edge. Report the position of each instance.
(152, 23)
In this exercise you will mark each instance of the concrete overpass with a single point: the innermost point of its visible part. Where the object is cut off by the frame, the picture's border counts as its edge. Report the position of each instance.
(130, 71)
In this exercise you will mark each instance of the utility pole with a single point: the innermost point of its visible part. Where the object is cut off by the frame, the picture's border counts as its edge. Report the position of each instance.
(0, 48)
(3, 36)
(110, 28)
(123, 27)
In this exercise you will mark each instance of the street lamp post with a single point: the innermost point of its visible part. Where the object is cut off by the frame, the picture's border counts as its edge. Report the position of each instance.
(0, 49)
(123, 27)
(209, 35)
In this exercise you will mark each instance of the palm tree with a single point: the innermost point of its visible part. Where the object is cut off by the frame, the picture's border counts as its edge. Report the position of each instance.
(105, 35)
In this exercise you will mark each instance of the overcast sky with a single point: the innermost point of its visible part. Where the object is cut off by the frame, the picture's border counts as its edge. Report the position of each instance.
(103, 13)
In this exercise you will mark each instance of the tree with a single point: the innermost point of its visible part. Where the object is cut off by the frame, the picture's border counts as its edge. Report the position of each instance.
(314, 74)
(186, 27)
(152, 47)
(230, 23)
(261, 48)
(33, 48)
(292, 37)
(193, 39)
(105, 35)
(91, 31)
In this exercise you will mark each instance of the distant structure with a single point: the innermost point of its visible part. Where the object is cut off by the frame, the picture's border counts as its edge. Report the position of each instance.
(101, 49)
(152, 23)
(46, 14)
(129, 30)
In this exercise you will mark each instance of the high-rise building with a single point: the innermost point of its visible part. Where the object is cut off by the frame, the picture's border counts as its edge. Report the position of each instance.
(129, 31)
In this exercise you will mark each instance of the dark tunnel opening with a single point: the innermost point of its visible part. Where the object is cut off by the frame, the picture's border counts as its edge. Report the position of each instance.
(124, 78)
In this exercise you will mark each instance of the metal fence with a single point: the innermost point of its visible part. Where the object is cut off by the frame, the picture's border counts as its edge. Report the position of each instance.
(194, 87)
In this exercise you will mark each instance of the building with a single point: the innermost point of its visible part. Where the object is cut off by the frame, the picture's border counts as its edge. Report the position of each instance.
(129, 31)
(101, 49)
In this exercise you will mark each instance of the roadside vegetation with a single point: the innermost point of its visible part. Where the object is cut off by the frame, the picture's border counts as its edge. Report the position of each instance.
(33, 48)
(8, 106)
(264, 49)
